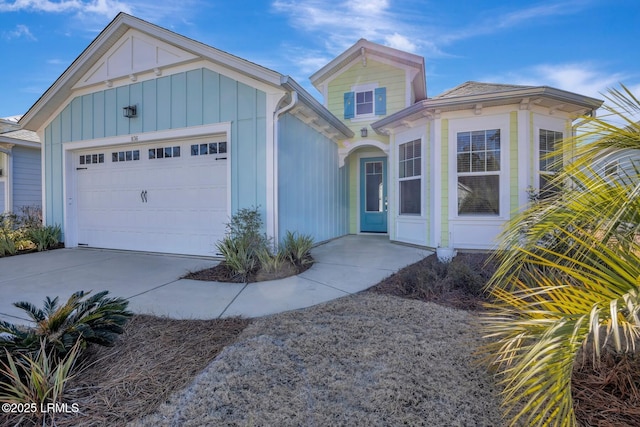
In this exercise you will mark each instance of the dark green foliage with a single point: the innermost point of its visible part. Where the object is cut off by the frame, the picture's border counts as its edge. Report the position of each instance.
(90, 319)
(296, 248)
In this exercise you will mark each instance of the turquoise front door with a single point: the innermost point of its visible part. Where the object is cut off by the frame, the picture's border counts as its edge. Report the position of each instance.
(373, 195)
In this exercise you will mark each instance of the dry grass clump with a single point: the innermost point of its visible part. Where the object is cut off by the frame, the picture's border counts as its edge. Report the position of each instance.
(155, 357)
(368, 359)
(458, 284)
(607, 394)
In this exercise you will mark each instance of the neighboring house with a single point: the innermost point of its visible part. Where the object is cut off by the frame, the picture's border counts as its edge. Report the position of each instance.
(152, 140)
(20, 166)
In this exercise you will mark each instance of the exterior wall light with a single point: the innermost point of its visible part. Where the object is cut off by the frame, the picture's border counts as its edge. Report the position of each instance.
(363, 132)
(129, 111)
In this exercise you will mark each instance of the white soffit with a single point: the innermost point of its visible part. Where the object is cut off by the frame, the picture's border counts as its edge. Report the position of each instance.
(134, 53)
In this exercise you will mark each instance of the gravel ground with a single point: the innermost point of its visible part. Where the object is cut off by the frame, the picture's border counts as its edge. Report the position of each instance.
(363, 360)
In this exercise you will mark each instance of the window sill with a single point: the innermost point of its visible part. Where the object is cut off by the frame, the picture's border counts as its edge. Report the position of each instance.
(363, 118)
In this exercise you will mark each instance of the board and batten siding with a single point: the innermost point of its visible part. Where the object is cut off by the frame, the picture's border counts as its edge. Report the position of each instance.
(191, 98)
(26, 178)
(312, 188)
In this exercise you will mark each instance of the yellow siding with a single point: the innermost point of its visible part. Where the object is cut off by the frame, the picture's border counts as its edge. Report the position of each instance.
(375, 72)
(513, 161)
(444, 182)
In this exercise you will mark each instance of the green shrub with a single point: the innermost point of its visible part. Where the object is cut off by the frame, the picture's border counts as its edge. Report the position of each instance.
(271, 263)
(7, 244)
(36, 379)
(246, 225)
(95, 319)
(44, 237)
(296, 248)
(238, 256)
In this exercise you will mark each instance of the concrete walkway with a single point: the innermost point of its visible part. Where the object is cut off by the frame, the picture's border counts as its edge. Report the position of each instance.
(152, 282)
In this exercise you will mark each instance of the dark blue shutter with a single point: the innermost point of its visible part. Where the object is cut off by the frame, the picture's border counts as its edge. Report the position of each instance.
(381, 101)
(349, 105)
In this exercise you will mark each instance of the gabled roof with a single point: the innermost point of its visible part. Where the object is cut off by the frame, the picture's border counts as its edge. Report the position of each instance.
(11, 133)
(366, 48)
(87, 63)
(475, 95)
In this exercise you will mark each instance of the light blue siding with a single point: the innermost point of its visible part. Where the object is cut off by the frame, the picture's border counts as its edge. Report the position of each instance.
(312, 189)
(135, 98)
(193, 98)
(178, 101)
(26, 178)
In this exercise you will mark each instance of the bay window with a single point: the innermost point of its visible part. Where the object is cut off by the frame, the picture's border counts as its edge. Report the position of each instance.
(478, 170)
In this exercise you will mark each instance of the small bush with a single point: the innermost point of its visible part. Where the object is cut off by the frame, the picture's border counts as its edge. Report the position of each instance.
(44, 237)
(297, 248)
(246, 225)
(458, 283)
(30, 217)
(95, 319)
(238, 256)
(7, 244)
(271, 263)
(38, 379)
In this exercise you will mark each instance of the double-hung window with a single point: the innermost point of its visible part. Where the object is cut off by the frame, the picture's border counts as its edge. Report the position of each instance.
(550, 164)
(478, 169)
(410, 174)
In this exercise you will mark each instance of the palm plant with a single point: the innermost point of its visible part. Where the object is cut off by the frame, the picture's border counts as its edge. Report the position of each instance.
(569, 277)
(94, 319)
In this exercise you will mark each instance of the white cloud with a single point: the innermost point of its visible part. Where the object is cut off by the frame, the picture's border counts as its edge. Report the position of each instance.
(340, 25)
(21, 31)
(400, 42)
(108, 8)
(584, 78)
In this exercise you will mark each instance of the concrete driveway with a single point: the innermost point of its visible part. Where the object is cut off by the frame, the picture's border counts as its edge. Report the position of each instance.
(61, 272)
(152, 282)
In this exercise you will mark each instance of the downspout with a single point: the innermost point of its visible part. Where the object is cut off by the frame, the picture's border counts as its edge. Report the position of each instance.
(8, 185)
(276, 115)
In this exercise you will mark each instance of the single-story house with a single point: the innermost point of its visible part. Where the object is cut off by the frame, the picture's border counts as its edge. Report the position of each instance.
(20, 168)
(151, 140)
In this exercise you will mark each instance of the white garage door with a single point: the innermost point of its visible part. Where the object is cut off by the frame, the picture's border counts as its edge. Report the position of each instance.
(165, 197)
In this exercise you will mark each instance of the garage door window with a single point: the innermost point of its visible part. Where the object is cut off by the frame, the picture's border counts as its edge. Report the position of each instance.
(87, 159)
(125, 156)
(164, 152)
(210, 148)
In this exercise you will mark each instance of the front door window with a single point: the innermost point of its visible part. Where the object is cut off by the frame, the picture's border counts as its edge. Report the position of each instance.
(373, 194)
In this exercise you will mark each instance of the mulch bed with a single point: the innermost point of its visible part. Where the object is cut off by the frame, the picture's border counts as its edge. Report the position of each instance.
(154, 358)
(459, 284)
(222, 273)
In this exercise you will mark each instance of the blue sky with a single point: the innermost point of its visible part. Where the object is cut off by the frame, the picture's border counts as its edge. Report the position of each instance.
(582, 46)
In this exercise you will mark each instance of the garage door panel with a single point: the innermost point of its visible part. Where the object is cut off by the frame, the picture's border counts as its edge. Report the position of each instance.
(175, 205)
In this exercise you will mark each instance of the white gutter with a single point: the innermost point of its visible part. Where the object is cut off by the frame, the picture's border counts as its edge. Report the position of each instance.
(294, 101)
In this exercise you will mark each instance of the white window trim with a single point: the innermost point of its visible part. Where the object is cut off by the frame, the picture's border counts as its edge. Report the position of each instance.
(410, 178)
(540, 172)
(369, 87)
(469, 125)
